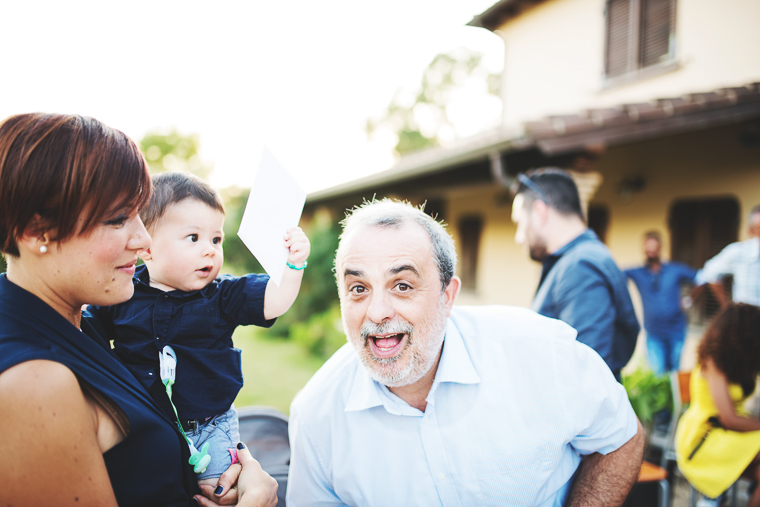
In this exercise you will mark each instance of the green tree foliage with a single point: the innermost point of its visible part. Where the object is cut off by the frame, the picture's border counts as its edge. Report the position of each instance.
(2, 264)
(418, 123)
(173, 151)
(322, 334)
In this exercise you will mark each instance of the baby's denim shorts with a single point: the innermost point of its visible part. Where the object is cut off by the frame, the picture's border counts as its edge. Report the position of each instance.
(222, 433)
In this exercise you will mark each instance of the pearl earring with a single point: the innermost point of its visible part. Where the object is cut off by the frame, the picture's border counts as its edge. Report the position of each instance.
(43, 249)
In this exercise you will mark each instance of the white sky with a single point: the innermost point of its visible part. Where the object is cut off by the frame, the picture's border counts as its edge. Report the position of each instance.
(301, 75)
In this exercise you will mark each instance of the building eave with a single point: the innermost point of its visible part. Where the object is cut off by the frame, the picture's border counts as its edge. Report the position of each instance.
(500, 12)
(556, 136)
(419, 164)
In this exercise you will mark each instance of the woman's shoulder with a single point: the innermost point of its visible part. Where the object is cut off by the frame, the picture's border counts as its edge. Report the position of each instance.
(37, 380)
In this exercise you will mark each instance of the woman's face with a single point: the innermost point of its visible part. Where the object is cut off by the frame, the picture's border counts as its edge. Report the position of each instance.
(97, 267)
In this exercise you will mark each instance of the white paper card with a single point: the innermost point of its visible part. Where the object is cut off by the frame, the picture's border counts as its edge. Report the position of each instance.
(274, 206)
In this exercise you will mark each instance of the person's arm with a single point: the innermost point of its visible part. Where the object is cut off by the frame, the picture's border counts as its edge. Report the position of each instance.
(605, 480)
(607, 432)
(727, 415)
(309, 479)
(51, 452)
(277, 300)
(585, 303)
(716, 268)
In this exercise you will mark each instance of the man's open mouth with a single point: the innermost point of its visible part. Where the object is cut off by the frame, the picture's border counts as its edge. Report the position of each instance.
(386, 345)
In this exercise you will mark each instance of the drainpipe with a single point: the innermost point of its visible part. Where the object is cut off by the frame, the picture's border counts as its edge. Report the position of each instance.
(498, 172)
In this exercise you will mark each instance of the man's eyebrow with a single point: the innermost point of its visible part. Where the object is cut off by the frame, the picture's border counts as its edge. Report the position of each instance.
(353, 272)
(404, 267)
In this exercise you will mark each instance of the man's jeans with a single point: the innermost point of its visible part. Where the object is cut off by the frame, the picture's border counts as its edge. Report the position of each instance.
(664, 353)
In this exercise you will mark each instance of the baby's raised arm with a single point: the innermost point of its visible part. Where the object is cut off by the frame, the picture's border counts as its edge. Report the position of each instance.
(277, 300)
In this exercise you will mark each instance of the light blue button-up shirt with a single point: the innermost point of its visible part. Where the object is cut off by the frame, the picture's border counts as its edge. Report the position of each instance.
(742, 260)
(515, 403)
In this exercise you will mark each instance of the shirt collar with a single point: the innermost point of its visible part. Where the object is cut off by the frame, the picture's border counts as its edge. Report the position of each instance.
(587, 235)
(550, 260)
(455, 366)
(141, 279)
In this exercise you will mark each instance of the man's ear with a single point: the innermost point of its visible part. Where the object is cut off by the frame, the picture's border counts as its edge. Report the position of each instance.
(451, 293)
(144, 254)
(540, 210)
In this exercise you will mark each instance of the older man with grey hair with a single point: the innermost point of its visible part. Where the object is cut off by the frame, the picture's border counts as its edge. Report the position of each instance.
(428, 404)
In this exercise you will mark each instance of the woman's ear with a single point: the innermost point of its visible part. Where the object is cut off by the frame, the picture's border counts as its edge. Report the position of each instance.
(35, 238)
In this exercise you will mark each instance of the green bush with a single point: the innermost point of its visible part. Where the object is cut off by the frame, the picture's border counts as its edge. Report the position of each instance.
(648, 394)
(321, 335)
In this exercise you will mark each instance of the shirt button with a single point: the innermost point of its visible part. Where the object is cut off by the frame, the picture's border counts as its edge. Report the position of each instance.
(150, 373)
(441, 477)
(166, 296)
(157, 338)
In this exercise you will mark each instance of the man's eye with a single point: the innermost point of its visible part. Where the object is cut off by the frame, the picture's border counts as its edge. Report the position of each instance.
(193, 237)
(357, 289)
(403, 287)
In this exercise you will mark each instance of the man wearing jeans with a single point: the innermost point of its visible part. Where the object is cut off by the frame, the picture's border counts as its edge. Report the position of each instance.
(659, 284)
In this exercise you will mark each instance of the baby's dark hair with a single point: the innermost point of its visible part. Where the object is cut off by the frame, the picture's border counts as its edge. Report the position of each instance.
(173, 187)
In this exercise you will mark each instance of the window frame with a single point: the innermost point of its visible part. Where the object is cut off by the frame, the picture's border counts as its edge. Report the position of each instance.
(634, 61)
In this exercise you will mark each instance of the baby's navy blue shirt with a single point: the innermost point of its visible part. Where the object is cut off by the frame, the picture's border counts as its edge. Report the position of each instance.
(198, 325)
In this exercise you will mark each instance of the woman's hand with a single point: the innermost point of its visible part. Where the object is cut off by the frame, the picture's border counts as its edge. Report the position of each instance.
(254, 488)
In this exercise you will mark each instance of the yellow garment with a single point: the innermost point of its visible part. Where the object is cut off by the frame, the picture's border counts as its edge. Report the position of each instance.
(725, 454)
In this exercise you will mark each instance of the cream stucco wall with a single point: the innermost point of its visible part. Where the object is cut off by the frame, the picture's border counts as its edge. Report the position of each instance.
(505, 274)
(554, 56)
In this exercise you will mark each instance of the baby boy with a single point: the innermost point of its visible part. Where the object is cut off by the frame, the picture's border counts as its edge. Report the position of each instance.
(180, 301)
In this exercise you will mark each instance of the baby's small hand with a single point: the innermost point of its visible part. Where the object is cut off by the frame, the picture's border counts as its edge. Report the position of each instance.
(299, 246)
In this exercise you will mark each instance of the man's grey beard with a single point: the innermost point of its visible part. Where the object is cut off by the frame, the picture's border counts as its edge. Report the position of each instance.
(420, 361)
(370, 329)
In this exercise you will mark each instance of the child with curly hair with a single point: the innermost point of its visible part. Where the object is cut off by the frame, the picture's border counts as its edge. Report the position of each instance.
(716, 440)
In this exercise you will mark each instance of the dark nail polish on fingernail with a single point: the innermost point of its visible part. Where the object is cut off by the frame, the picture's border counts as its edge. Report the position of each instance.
(219, 490)
(195, 501)
(241, 445)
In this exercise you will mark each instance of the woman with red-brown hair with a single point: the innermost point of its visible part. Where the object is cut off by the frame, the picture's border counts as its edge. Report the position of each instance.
(716, 440)
(77, 428)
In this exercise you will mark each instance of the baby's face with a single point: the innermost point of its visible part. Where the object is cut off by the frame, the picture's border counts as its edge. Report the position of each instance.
(187, 247)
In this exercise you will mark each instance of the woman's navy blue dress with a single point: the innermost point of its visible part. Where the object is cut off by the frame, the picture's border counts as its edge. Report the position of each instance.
(149, 467)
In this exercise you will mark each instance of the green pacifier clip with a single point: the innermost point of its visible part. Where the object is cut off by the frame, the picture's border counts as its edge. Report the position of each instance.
(168, 364)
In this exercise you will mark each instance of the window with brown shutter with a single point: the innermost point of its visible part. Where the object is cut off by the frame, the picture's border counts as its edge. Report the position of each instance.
(640, 34)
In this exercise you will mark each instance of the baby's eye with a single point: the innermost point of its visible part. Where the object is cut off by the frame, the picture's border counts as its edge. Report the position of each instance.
(193, 237)
(216, 240)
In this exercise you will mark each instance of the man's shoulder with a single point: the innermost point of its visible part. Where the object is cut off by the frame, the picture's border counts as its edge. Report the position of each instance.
(509, 323)
(591, 249)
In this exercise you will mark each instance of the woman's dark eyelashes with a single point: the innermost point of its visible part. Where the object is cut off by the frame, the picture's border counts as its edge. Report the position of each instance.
(119, 220)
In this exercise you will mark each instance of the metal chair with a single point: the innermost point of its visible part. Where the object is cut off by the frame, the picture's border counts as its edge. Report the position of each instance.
(650, 473)
(265, 431)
